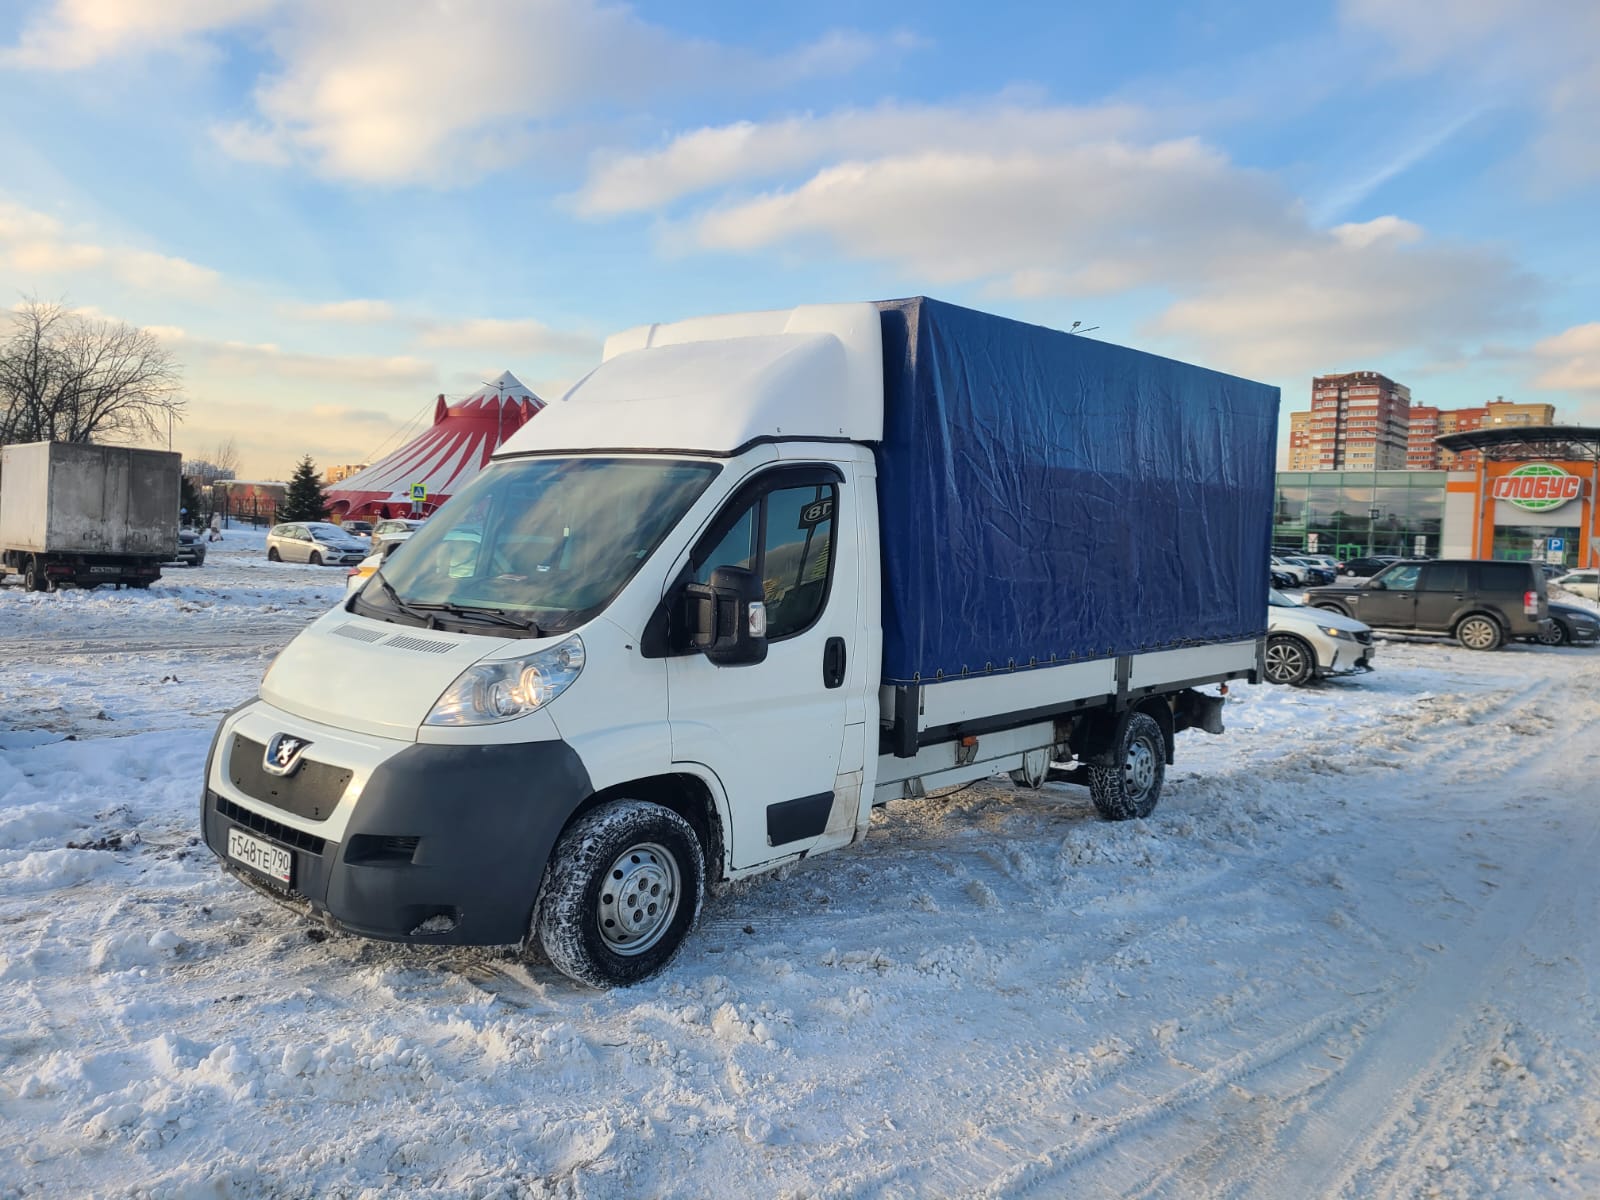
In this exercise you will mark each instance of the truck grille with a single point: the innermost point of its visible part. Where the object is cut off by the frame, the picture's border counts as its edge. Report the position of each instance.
(256, 823)
(312, 792)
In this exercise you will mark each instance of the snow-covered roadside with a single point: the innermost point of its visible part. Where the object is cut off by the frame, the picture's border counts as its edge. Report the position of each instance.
(1347, 956)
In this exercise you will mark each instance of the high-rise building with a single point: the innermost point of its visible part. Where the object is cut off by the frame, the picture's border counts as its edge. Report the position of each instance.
(1359, 421)
(1300, 442)
(1425, 455)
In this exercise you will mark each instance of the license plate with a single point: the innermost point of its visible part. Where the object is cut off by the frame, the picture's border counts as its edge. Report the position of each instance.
(261, 856)
(102, 570)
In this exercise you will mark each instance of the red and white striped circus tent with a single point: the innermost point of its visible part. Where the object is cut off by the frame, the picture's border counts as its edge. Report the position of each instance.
(443, 458)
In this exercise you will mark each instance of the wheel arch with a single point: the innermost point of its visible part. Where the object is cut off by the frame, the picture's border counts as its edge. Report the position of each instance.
(689, 795)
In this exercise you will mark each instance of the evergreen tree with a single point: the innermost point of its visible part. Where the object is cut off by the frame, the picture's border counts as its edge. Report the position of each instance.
(305, 500)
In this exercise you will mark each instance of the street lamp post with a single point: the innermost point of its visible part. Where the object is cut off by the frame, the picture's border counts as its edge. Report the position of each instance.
(1373, 514)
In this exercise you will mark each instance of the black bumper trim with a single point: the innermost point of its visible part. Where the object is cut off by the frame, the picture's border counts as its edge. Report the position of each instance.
(484, 820)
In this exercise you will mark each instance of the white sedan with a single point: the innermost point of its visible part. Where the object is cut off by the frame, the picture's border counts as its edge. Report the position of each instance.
(1306, 643)
(1581, 583)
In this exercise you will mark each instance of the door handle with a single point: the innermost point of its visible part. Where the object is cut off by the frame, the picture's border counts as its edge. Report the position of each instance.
(833, 663)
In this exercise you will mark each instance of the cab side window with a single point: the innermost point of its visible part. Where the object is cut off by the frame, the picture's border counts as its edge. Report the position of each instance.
(797, 553)
(786, 537)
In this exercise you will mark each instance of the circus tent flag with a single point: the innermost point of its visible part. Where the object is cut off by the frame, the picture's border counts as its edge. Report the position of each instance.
(443, 458)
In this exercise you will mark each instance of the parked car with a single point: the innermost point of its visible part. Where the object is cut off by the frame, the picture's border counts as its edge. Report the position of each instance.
(1553, 570)
(1481, 604)
(1581, 583)
(362, 529)
(1570, 626)
(1326, 561)
(1284, 567)
(1370, 565)
(1305, 643)
(315, 542)
(1316, 573)
(394, 529)
(1282, 579)
(191, 548)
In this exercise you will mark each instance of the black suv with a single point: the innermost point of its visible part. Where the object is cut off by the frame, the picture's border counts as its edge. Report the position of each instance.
(1480, 603)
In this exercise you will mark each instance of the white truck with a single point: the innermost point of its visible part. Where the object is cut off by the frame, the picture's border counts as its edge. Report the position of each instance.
(752, 576)
(85, 514)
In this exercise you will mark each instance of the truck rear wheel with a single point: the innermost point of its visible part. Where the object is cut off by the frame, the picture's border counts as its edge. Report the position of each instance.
(620, 894)
(1131, 787)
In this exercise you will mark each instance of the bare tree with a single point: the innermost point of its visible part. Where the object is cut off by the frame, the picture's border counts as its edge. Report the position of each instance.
(223, 463)
(65, 377)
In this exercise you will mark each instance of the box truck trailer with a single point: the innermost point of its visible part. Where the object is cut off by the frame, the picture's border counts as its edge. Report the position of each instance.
(85, 514)
(752, 576)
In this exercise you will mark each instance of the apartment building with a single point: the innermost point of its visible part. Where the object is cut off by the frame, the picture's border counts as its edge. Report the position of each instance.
(1359, 421)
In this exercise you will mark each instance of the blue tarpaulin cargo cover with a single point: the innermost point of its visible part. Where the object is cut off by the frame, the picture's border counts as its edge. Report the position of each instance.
(1045, 498)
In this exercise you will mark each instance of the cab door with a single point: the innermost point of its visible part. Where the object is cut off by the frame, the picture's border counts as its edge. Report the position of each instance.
(773, 732)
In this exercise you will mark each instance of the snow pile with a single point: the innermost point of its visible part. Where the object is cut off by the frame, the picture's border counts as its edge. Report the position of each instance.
(1346, 956)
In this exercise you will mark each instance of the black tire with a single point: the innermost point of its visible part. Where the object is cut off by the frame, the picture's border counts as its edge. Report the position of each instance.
(626, 858)
(273, 555)
(1556, 635)
(1131, 788)
(1289, 660)
(34, 578)
(1479, 631)
(316, 559)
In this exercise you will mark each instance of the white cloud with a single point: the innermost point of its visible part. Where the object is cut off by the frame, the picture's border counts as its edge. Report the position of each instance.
(1537, 52)
(365, 92)
(72, 34)
(718, 156)
(1043, 203)
(353, 312)
(524, 337)
(1570, 361)
(37, 247)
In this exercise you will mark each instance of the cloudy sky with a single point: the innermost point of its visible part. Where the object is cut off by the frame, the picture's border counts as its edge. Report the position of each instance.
(335, 209)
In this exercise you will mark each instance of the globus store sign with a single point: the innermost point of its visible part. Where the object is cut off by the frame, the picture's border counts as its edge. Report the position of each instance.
(1537, 487)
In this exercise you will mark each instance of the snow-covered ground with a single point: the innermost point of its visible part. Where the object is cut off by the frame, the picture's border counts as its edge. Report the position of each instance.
(1352, 954)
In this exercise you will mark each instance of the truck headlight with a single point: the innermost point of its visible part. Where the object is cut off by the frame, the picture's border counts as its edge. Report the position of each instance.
(502, 691)
(1336, 633)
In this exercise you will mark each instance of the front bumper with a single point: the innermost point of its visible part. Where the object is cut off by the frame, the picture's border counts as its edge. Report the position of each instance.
(443, 844)
(1349, 658)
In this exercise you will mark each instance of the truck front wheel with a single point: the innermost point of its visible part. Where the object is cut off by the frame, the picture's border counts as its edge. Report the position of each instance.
(620, 894)
(1131, 786)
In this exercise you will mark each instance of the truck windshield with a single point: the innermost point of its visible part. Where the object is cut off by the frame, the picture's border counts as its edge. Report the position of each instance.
(537, 544)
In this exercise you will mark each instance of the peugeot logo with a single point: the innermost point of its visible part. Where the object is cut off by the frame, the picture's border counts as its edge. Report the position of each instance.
(283, 754)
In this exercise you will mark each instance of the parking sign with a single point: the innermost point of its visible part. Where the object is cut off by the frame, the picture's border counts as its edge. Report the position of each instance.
(1556, 545)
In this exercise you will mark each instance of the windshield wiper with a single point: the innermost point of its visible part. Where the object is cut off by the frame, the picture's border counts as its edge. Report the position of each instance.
(495, 616)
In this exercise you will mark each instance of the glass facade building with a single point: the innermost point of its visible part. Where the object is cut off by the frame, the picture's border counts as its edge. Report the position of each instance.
(1350, 514)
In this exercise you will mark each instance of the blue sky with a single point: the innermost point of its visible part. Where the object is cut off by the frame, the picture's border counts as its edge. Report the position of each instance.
(334, 211)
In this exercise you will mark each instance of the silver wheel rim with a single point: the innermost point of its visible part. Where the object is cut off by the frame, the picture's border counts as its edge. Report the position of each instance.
(638, 898)
(1554, 637)
(1285, 661)
(1139, 768)
(1476, 633)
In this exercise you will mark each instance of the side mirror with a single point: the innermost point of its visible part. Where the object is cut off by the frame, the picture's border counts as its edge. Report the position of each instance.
(727, 618)
(1377, 585)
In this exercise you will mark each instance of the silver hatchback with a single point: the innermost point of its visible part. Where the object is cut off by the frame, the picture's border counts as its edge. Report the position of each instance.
(315, 542)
